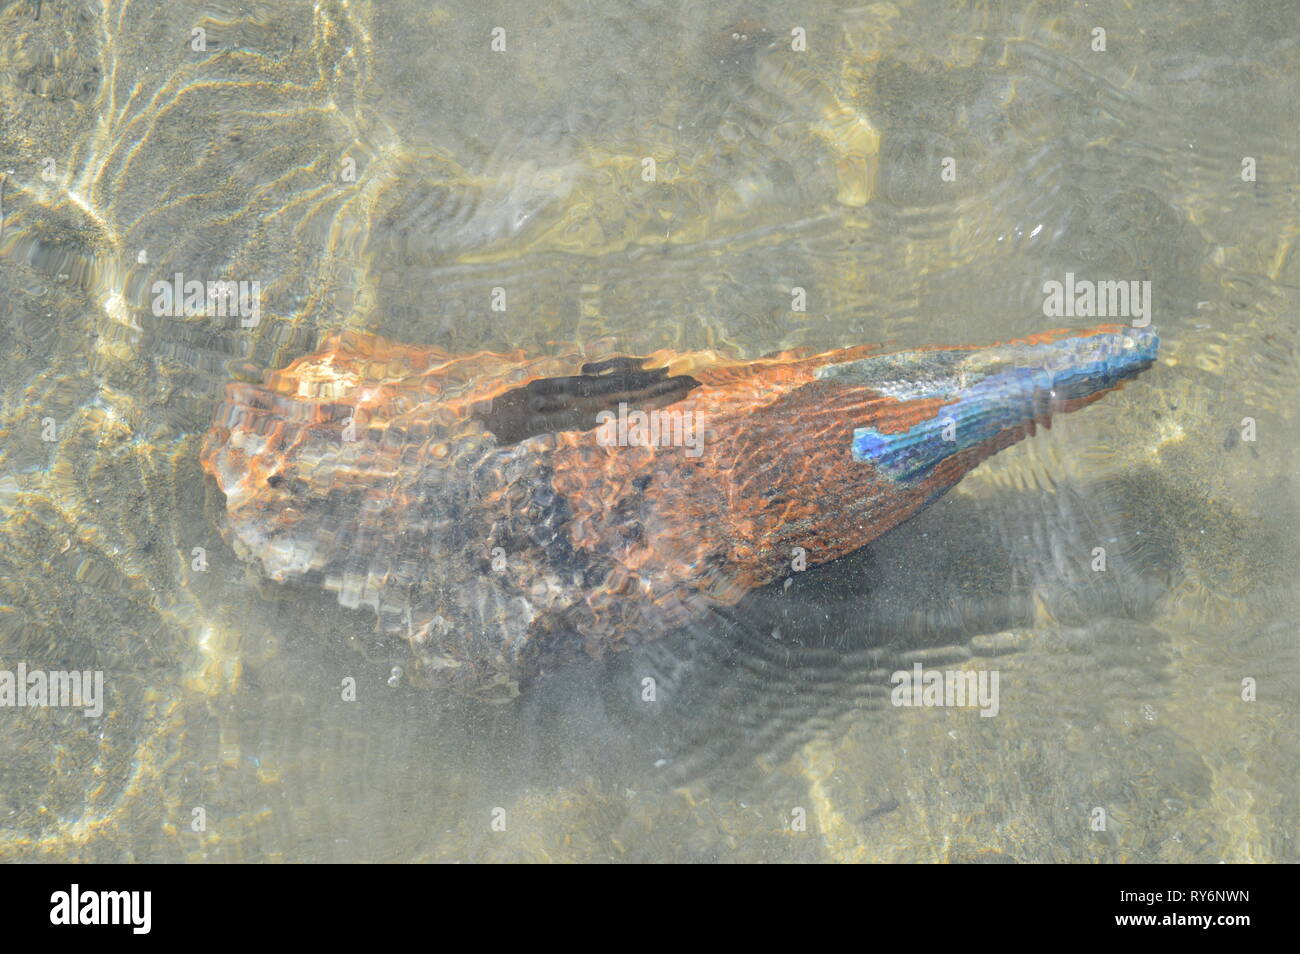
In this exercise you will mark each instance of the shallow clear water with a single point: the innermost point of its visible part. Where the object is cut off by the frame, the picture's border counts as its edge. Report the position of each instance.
(378, 166)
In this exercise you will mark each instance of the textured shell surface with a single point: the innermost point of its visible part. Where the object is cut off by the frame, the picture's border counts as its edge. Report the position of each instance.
(497, 511)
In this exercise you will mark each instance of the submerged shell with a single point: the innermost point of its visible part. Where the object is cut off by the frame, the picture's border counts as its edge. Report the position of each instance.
(506, 513)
